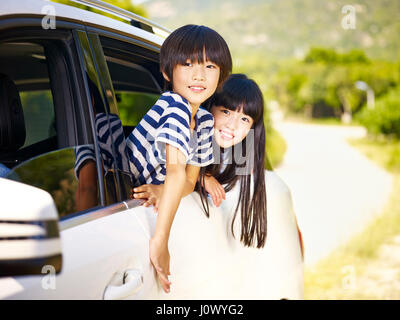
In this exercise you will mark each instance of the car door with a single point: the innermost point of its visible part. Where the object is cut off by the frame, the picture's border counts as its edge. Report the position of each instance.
(67, 111)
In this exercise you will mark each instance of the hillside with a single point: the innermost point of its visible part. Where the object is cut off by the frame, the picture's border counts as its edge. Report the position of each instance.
(288, 28)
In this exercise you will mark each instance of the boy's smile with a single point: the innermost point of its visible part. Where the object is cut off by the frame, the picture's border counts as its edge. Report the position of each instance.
(194, 81)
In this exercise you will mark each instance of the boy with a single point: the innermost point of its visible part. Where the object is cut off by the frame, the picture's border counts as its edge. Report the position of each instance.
(174, 139)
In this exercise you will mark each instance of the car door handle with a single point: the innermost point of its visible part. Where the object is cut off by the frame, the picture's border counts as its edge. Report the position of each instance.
(124, 285)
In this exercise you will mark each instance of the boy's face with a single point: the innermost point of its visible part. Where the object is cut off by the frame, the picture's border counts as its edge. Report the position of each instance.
(230, 127)
(194, 81)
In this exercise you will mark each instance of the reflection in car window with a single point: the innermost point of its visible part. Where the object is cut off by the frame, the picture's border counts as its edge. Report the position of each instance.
(127, 78)
(112, 148)
(29, 149)
(110, 131)
(136, 90)
(54, 172)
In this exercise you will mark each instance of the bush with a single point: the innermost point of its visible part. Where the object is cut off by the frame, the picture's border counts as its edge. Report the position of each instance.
(275, 147)
(385, 117)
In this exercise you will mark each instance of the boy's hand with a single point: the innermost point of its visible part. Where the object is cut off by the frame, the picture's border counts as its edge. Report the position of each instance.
(150, 192)
(159, 257)
(215, 189)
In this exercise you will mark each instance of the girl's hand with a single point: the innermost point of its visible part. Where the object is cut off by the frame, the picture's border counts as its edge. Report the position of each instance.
(215, 189)
(150, 192)
(159, 257)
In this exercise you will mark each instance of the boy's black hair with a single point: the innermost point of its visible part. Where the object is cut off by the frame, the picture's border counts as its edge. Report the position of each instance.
(193, 42)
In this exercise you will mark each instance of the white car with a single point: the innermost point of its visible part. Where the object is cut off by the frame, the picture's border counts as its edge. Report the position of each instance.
(68, 229)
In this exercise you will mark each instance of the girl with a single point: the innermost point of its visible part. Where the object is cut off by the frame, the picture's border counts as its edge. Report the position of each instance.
(174, 139)
(238, 110)
(239, 126)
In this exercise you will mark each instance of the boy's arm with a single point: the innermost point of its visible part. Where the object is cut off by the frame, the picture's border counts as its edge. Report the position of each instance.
(192, 174)
(152, 193)
(174, 186)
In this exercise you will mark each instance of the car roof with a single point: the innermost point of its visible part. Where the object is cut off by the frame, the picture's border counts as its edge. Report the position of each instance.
(41, 8)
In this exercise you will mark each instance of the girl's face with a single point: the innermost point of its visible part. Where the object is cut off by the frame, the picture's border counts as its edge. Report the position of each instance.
(230, 127)
(194, 81)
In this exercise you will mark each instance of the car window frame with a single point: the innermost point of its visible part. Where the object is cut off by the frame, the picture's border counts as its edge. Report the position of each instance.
(78, 218)
(88, 215)
(74, 126)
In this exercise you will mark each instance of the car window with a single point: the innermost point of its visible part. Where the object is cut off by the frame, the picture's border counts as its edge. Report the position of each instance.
(125, 90)
(135, 85)
(132, 106)
(30, 147)
(38, 109)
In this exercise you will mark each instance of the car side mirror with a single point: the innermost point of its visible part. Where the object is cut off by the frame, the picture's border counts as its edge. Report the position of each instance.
(29, 233)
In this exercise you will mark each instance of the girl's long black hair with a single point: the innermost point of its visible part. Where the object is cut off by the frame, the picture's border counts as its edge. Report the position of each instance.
(240, 92)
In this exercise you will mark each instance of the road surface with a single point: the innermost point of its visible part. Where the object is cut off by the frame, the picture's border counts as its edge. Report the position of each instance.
(336, 190)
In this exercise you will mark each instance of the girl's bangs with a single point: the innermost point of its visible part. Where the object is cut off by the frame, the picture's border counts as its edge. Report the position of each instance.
(240, 98)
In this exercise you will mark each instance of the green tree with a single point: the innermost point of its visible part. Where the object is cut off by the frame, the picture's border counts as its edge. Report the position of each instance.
(324, 81)
(330, 56)
(385, 117)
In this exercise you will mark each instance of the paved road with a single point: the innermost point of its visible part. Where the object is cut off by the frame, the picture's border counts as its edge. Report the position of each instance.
(336, 190)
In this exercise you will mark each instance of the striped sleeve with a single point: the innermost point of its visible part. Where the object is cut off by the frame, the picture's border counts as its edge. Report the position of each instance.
(203, 154)
(82, 155)
(174, 129)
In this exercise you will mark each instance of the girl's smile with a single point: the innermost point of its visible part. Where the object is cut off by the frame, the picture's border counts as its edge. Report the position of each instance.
(230, 127)
(225, 135)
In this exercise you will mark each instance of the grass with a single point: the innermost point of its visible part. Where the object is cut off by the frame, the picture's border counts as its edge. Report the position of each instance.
(385, 152)
(330, 278)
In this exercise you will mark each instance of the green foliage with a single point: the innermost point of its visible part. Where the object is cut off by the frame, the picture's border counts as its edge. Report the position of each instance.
(132, 106)
(385, 117)
(325, 80)
(268, 38)
(39, 115)
(330, 56)
(275, 148)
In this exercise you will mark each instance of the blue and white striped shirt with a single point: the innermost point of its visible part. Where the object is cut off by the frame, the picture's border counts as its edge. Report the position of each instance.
(168, 122)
